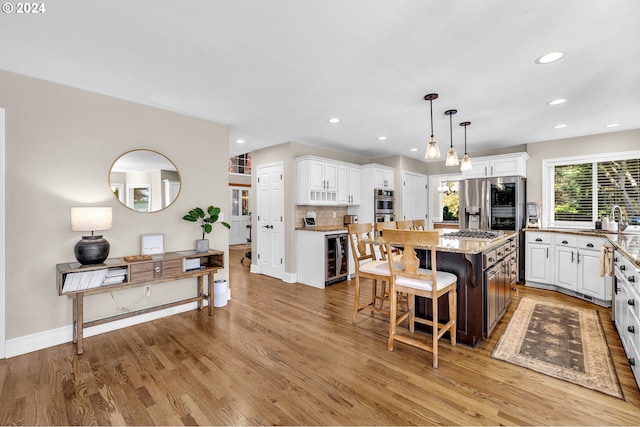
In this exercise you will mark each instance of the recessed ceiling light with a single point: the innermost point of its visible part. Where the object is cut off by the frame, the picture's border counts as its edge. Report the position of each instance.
(612, 125)
(550, 57)
(414, 149)
(560, 126)
(240, 141)
(557, 101)
(382, 138)
(334, 120)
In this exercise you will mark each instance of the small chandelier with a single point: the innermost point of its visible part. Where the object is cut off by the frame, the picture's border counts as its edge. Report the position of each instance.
(452, 156)
(465, 165)
(433, 151)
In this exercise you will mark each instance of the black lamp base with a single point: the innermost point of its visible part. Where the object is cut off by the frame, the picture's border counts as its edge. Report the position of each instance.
(91, 250)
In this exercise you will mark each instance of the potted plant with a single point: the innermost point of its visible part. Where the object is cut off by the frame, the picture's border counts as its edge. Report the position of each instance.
(206, 221)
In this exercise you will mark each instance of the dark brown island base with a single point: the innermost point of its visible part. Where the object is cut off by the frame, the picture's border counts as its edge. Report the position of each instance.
(487, 269)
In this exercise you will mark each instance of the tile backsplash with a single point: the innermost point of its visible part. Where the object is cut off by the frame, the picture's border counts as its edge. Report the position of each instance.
(324, 214)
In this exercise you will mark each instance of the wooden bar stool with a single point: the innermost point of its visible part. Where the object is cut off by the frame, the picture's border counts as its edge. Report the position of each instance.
(367, 266)
(415, 281)
(404, 224)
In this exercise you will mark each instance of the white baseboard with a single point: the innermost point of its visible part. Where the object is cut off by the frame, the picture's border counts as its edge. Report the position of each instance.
(53, 337)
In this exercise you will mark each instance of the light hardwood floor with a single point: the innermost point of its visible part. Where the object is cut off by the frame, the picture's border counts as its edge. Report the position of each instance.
(287, 354)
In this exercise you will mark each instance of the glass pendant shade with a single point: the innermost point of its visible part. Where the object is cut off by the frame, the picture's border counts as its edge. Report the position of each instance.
(452, 158)
(465, 165)
(433, 151)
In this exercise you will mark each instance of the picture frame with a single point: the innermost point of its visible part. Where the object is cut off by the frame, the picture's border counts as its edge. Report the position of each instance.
(151, 244)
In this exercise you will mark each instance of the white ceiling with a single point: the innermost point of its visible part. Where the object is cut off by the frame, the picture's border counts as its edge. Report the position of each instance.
(276, 70)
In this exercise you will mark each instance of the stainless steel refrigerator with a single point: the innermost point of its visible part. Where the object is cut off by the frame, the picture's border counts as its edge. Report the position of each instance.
(494, 204)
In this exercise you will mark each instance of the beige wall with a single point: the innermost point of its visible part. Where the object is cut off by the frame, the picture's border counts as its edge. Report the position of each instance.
(591, 144)
(60, 144)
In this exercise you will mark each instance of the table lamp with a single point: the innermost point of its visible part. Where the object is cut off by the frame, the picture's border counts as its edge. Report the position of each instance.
(91, 249)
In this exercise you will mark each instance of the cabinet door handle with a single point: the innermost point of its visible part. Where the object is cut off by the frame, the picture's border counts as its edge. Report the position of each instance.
(538, 240)
(631, 278)
(547, 252)
(632, 361)
(589, 245)
(623, 267)
(572, 256)
(615, 259)
(578, 256)
(631, 301)
(564, 242)
(631, 329)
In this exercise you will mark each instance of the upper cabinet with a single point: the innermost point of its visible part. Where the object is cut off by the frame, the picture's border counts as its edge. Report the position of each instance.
(327, 182)
(348, 184)
(494, 166)
(383, 176)
(317, 181)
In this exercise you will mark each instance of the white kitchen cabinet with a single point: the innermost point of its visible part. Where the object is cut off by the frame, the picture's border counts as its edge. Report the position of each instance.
(626, 310)
(566, 259)
(348, 184)
(589, 283)
(496, 166)
(573, 267)
(384, 177)
(538, 261)
(317, 181)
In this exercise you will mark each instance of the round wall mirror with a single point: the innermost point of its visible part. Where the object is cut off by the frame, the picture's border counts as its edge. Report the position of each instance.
(144, 180)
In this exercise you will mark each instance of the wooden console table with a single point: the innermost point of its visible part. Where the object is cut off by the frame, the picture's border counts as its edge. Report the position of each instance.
(85, 280)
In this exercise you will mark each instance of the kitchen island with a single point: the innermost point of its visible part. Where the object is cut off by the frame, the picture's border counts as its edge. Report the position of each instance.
(486, 268)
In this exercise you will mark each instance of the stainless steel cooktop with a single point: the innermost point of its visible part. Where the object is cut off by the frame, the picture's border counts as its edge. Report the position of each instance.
(474, 234)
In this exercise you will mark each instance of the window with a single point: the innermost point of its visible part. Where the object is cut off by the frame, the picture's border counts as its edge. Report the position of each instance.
(240, 164)
(579, 191)
(449, 200)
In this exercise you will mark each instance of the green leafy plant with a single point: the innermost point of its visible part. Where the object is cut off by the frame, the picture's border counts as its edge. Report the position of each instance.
(205, 219)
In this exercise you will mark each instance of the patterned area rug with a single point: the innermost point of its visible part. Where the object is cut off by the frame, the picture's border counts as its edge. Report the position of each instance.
(563, 342)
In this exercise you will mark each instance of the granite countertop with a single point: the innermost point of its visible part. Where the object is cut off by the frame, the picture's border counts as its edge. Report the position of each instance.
(324, 228)
(627, 243)
(465, 245)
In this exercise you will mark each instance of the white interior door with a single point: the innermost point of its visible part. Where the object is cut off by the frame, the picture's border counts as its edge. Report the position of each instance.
(2, 237)
(414, 196)
(269, 234)
(240, 216)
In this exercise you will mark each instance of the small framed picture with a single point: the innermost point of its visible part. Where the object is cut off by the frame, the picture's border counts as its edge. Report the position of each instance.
(151, 244)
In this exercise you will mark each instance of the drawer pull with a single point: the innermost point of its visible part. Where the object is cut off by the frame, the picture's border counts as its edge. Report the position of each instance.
(564, 242)
(158, 269)
(631, 329)
(589, 245)
(631, 301)
(538, 240)
(623, 267)
(615, 259)
(632, 361)
(631, 278)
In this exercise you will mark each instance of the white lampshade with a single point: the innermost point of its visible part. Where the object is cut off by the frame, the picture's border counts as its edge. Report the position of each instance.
(91, 218)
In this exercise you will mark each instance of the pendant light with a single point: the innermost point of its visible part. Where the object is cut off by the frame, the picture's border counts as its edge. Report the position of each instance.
(452, 156)
(465, 165)
(433, 151)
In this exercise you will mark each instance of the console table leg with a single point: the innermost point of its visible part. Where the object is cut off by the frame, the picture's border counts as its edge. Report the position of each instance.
(74, 310)
(79, 323)
(210, 296)
(200, 293)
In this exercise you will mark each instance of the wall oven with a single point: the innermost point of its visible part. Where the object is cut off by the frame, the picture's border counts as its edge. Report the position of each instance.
(383, 205)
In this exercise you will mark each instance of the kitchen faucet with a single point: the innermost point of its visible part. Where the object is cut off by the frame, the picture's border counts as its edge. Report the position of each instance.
(621, 223)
